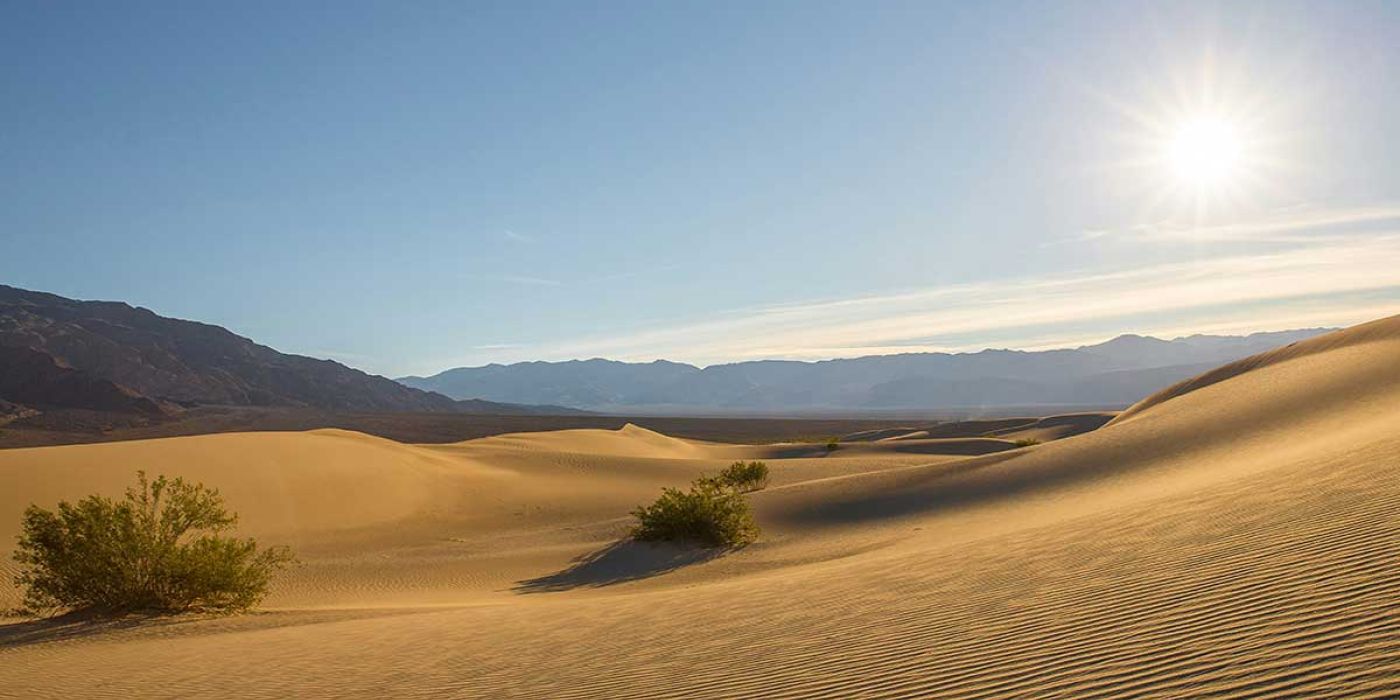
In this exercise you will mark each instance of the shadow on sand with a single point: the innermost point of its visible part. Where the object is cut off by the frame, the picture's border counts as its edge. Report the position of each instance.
(71, 626)
(619, 562)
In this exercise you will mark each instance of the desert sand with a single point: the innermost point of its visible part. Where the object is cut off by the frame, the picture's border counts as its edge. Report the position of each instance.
(1233, 536)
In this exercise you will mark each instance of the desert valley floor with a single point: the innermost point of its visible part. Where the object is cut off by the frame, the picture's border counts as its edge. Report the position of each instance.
(1235, 536)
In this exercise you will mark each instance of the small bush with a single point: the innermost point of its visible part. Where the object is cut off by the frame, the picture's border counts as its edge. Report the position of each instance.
(833, 444)
(710, 514)
(743, 476)
(156, 550)
(1026, 442)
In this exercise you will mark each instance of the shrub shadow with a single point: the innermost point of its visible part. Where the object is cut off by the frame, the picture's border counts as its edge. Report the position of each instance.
(619, 562)
(70, 626)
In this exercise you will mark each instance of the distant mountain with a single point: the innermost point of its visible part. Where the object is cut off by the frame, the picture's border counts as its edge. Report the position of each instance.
(497, 408)
(66, 353)
(32, 378)
(1114, 373)
(574, 383)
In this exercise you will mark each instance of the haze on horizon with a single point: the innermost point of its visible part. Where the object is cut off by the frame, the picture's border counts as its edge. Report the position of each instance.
(408, 190)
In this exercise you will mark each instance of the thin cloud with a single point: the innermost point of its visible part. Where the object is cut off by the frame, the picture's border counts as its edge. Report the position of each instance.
(1323, 281)
(1294, 225)
(636, 272)
(515, 279)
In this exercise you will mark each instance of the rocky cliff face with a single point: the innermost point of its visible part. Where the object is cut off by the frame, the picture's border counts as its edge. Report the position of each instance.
(29, 378)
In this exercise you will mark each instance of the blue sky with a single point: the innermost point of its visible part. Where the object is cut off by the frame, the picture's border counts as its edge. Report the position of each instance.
(407, 187)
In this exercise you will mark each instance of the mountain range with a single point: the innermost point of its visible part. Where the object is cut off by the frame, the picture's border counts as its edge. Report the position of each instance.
(109, 356)
(1110, 374)
(60, 353)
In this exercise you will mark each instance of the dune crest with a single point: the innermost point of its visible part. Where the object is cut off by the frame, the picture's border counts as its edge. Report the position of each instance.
(1380, 330)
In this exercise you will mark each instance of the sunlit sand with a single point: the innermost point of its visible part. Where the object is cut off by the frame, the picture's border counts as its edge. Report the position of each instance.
(1237, 534)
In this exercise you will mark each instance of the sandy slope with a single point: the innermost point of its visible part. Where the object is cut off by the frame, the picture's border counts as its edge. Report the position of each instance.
(377, 522)
(1233, 537)
(1042, 429)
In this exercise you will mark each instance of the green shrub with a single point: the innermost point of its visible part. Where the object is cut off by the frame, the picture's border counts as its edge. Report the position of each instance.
(1026, 442)
(743, 476)
(159, 549)
(709, 514)
(833, 444)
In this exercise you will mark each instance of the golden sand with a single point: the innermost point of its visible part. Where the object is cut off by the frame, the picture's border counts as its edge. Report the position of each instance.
(1234, 536)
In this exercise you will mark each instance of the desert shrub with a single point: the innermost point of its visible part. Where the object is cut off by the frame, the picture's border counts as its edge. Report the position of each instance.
(832, 445)
(159, 549)
(710, 513)
(743, 476)
(1026, 442)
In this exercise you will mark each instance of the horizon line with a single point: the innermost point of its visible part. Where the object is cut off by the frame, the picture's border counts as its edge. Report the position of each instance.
(952, 353)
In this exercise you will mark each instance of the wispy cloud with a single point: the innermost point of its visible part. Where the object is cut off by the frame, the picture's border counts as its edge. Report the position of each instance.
(514, 279)
(636, 272)
(1309, 280)
(517, 237)
(1298, 224)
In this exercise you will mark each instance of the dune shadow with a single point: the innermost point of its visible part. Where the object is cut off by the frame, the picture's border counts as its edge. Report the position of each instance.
(961, 447)
(619, 562)
(70, 626)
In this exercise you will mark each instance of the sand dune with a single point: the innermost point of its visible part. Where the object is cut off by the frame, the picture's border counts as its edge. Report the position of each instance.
(1042, 429)
(378, 522)
(1234, 536)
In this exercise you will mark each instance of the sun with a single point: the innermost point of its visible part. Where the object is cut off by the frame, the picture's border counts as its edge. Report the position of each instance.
(1205, 152)
(1200, 140)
